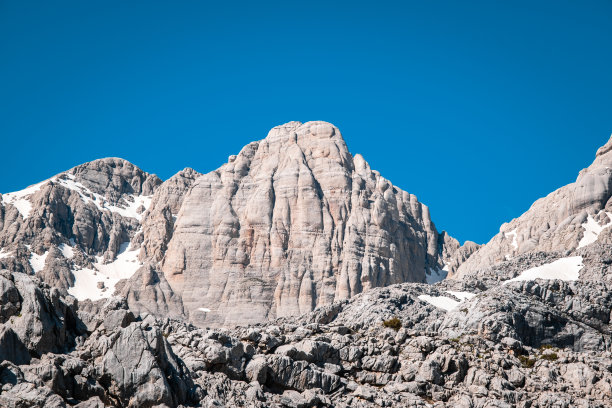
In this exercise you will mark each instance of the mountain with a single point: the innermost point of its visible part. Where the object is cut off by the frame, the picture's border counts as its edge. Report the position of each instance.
(291, 223)
(104, 268)
(574, 219)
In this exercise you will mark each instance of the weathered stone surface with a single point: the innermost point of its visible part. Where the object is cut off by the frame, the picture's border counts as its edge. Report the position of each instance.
(158, 222)
(291, 223)
(147, 291)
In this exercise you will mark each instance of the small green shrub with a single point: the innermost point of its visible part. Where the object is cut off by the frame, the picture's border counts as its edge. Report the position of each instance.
(545, 347)
(393, 323)
(455, 339)
(549, 356)
(526, 361)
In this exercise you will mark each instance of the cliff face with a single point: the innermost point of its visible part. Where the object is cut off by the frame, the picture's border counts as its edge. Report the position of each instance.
(291, 223)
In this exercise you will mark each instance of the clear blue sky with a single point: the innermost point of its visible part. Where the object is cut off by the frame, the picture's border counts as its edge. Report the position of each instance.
(478, 108)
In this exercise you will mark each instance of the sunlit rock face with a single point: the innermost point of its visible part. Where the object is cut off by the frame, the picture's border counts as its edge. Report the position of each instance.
(293, 222)
(570, 218)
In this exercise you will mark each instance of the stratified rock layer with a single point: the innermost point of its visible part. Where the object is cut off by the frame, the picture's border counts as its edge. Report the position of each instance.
(291, 223)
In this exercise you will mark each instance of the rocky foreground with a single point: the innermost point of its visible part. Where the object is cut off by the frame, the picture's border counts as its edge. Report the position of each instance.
(487, 343)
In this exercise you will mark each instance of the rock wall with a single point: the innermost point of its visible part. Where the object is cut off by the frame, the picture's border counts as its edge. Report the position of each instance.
(291, 223)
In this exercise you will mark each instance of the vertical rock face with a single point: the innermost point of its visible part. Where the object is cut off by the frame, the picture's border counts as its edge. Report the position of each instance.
(158, 222)
(572, 217)
(291, 223)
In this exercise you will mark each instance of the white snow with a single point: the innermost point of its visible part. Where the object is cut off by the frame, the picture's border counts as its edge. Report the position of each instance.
(513, 235)
(67, 251)
(436, 275)
(20, 199)
(203, 309)
(37, 262)
(442, 302)
(4, 254)
(592, 229)
(567, 269)
(100, 202)
(446, 303)
(86, 280)
(461, 295)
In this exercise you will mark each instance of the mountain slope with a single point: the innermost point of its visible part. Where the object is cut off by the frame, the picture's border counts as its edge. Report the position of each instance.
(568, 219)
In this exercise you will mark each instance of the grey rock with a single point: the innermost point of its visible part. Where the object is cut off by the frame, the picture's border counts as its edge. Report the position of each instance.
(292, 223)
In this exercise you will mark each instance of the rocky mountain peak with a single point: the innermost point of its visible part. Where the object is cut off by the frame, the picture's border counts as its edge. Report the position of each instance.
(605, 148)
(290, 223)
(114, 177)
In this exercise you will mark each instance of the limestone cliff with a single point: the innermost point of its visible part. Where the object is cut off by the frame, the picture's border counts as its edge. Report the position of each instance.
(293, 222)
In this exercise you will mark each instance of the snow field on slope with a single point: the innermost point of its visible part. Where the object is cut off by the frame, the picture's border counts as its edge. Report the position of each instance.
(592, 229)
(566, 269)
(21, 199)
(435, 276)
(37, 262)
(445, 302)
(86, 280)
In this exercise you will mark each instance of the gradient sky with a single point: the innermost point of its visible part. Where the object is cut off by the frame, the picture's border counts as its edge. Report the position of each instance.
(478, 108)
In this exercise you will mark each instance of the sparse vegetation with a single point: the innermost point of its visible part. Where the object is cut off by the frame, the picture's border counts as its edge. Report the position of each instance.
(393, 323)
(527, 362)
(549, 356)
(545, 347)
(455, 339)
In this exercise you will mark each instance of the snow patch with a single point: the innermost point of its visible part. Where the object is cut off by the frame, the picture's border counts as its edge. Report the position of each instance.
(67, 251)
(436, 275)
(513, 235)
(86, 281)
(203, 309)
(21, 199)
(566, 269)
(37, 262)
(592, 229)
(442, 302)
(446, 303)
(89, 196)
(4, 254)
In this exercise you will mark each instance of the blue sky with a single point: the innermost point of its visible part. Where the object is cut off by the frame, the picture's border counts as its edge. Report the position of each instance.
(478, 108)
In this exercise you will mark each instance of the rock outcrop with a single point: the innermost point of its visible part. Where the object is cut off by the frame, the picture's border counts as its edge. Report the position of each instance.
(291, 223)
(569, 218)
(521, 344)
